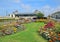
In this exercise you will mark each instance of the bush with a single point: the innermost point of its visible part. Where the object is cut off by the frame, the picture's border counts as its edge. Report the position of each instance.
(57, 28)
(0, 28)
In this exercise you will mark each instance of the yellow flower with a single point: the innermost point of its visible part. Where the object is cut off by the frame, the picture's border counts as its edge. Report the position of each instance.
(15, 29)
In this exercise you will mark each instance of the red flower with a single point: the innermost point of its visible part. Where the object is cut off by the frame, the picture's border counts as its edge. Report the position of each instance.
(49, 25)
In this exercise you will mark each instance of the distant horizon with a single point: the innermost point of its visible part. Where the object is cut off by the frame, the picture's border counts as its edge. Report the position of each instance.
(45, 6)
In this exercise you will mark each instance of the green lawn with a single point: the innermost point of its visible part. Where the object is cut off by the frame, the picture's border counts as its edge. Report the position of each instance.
(28, 35)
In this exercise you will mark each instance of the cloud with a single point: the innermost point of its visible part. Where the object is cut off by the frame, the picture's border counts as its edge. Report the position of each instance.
(26, 7)
(48, 10)
(57, 9)
(17, 1)
(35, 0)
(56, 0)
(2, 11)
(1, 8)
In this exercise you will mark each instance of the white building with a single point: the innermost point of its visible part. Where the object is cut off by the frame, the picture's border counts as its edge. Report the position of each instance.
(16, 14)
(23, 15)
(56, 16)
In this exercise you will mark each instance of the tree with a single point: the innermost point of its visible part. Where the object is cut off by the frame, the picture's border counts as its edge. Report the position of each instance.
(40, 15)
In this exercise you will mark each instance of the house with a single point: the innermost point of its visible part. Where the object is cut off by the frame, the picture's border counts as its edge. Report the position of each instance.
(56, 15)
(23, 15)
(16, 14)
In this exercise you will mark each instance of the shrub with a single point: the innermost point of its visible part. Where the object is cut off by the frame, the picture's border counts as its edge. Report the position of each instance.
(57, 28)
(0, 28)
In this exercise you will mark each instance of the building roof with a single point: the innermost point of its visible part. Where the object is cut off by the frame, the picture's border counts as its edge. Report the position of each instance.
(56, 13)
(25, 14)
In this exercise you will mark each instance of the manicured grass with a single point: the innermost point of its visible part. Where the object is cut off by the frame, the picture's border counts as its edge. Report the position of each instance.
(28, 35)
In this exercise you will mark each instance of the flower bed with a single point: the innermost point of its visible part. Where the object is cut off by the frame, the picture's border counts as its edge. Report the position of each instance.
(51, 32)
(11, 28)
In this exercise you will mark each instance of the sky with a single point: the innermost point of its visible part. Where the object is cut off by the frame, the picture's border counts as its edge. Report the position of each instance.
(45, 6)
